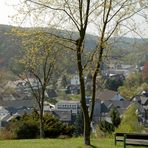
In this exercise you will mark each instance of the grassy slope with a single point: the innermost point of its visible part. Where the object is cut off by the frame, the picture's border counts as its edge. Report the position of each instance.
(59, 143)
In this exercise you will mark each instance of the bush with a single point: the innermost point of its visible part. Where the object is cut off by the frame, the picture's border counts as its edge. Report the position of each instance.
(68, 130)
(27, 127)
(5, 134)
(27, 131)
(129, 122)
(106, 127)
(54, 128)
(115, 117)
(79, 126)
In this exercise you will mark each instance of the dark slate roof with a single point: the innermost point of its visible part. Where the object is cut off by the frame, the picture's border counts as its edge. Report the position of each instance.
(19, 103)
(141, 99)
(106, 94)
(21, 112)
(14, 96)
(144, 100)
(137, 98)
(120, 105)
(65, 116)
(6, 118)
(51, 93)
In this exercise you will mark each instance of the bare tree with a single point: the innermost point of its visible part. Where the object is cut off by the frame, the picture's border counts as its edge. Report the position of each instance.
(106, 17)
(38, 58)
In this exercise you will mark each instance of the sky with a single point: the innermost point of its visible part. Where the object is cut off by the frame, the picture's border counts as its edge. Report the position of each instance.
(7, 11)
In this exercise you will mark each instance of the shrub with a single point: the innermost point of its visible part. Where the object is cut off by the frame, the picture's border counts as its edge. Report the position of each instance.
(27, 127)
(27, 131)
(5, 134)
(106, 127)
(129, 121)
(115, 117)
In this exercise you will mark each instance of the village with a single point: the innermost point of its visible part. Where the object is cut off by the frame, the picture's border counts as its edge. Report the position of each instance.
(21, 101)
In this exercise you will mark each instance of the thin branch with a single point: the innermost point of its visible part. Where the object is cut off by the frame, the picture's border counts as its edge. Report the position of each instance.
(56, 9)
(63, 38)
(72, 14)
(80, 12)
(90, 59)
(117, 11)
(104, 11)
(87, 14)
(112, 31)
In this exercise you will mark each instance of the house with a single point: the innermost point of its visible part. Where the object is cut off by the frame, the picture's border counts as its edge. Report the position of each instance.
(3, 112)
(14, 96)
(141, 113)
(103, 108)
(73, 106)
(30, 103)
(108, 95)
(23, 86)
(75, 80)
(51, 93)
(119, 69)
(105, 101)
(64, 116)
(13, 113)
(144, 93)
(48, 107)
(142, 103)
(141, 99)
(72, 89)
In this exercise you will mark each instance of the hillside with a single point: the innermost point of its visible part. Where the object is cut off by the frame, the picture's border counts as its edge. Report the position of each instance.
(128, 50)
(9, 45)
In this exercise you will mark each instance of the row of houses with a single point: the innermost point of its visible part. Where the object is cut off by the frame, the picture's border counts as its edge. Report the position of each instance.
(22, 102)
(67, 111)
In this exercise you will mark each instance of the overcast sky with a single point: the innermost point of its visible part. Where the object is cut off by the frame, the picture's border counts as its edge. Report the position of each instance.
(6, 11)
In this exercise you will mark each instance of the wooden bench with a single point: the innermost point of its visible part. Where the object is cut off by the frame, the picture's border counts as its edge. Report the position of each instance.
(135, 139)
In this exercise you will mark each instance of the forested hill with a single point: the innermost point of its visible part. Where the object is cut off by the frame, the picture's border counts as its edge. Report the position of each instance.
(9, 45)
(129, 50)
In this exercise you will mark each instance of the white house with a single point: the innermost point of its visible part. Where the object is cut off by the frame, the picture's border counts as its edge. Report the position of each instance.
(75, 80)
(73, 106)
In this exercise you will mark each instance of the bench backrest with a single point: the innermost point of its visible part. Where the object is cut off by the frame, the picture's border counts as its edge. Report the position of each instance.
(136, 136)
(119, 134)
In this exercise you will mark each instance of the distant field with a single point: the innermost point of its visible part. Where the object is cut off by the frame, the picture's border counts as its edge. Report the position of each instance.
(59, 143)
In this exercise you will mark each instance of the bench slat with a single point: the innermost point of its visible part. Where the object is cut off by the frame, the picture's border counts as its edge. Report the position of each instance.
(135, 139)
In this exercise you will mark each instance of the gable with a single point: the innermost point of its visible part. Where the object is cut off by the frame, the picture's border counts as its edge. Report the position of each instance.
(108, 95)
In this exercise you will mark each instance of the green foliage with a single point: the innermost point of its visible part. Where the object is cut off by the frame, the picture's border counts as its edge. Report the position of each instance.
(52, 126)
(9, 90)
(27, 130)
(24, 127)
(113, 83)
(129, 122)
(27, 127)
(133, 85)
(52, 101)
(64, 81)
(106, 127)
(115, 117)
(79, 126)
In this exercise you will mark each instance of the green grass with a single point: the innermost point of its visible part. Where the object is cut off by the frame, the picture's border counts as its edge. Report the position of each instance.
(60, 143)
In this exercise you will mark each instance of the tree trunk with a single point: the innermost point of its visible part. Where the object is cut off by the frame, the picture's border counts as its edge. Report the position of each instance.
(87, 128)
(41, 127)
(41, 123)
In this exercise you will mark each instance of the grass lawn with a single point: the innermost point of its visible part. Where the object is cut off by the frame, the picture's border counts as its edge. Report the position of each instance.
(60, 143)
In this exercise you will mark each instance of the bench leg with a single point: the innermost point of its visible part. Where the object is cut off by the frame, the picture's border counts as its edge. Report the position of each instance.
(115, 140)
(124, 140)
